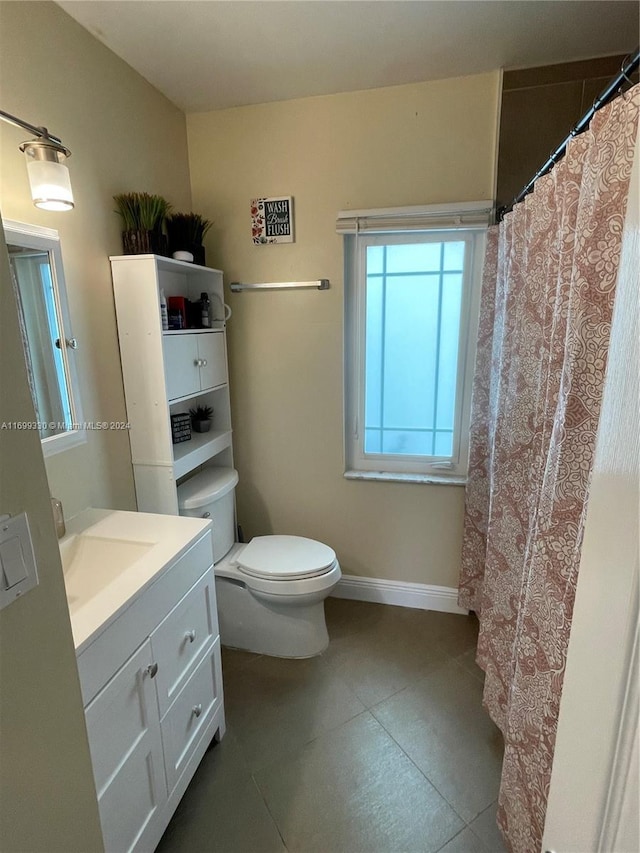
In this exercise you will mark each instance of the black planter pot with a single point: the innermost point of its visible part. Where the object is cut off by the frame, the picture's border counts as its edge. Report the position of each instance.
(201, 426)
(198, 255)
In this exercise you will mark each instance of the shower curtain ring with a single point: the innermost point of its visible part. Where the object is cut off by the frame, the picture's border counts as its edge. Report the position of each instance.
(623, 72)
(621, 90)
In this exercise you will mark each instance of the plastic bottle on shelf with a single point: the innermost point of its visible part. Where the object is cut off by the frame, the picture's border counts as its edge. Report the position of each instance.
(205, 304)
(163, 312)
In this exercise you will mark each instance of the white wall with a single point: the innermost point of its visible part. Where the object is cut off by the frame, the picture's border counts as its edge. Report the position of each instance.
(416, 144)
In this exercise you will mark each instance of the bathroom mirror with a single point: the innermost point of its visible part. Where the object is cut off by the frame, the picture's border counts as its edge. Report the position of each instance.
(50, 349)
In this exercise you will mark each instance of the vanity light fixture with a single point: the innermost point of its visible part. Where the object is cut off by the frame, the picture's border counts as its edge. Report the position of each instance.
(48, 175)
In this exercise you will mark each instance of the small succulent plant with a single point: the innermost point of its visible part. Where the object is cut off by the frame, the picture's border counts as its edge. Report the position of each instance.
(201, 413)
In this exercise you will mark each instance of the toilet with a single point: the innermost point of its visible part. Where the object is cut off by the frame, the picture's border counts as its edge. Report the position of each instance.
(270, 591)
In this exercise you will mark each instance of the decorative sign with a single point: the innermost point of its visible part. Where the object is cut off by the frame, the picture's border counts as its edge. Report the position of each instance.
(272, 220)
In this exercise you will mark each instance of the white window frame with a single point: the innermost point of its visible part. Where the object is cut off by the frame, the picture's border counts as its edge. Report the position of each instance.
(48, 240)
(459, 223)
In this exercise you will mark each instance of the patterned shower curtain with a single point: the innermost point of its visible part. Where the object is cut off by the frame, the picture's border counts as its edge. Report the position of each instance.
(548, 292)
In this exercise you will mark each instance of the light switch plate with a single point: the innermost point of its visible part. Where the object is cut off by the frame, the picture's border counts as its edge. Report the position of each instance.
(18, 573)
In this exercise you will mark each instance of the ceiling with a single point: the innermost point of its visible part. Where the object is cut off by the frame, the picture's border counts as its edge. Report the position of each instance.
(212, 54)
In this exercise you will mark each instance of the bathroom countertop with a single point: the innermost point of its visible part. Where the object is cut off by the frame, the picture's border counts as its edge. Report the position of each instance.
(109, 557)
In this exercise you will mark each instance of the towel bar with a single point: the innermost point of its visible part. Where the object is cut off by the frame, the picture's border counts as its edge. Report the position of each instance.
(320, 284)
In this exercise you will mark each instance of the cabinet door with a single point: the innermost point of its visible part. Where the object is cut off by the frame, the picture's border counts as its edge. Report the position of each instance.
(180, 639)
(189, 716)
(213, 369)
(126, 752)
(181, 365)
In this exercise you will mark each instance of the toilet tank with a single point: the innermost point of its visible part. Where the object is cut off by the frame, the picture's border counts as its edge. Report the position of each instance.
(209, 494)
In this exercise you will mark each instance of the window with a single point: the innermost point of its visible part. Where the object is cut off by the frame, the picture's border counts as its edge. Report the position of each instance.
(38, 277)
(411, 299)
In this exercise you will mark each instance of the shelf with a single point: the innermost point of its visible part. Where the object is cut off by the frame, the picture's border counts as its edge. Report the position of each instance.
(196, 373)
(219, 327)
(203, 445)
(174, 400)
(168, 264)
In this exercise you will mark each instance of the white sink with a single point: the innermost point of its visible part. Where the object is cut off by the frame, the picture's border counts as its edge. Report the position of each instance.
(91, 563)
(109, 557)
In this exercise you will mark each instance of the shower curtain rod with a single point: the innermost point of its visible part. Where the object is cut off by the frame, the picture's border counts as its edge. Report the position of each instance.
(628, 67)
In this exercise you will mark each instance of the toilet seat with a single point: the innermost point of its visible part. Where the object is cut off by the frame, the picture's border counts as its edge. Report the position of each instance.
(285, 558)
(270, 592)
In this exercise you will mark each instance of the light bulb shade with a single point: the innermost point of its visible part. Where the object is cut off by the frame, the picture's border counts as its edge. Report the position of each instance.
(50, 185)
(48, 176)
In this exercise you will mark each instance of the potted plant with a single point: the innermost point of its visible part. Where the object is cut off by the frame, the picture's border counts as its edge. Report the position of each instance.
(186, 234)
(143, 216)
(201, 418)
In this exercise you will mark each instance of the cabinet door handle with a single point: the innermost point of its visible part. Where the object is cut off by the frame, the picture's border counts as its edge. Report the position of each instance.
(203, 362)
(190, 635)
(151, 670)
(196, 710)
(198, 362)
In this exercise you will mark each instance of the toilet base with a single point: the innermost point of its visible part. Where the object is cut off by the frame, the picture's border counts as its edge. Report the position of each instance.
(269, 626)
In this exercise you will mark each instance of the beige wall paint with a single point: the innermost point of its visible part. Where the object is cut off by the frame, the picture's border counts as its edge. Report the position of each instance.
(417, 144)
(47, 796)
(124, 135)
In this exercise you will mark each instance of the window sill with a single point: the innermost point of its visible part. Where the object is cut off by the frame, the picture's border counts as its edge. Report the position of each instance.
(62, 442)
(388, 477)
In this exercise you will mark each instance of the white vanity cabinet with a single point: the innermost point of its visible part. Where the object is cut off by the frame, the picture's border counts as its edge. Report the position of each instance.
(152, 687)
(169, 372)
(123, 727)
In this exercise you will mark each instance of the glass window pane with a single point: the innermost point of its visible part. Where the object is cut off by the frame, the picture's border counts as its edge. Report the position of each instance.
(411, 347)
(373, 353)
(46, 367)
(443, 444)
(453, 256)
(374, 259)
(407, 443)
(373, 441)
(449, 342)
(411, 319)
(47, 287)
(415, 257)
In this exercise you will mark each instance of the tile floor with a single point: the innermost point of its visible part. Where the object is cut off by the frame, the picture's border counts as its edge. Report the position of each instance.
(379, 745)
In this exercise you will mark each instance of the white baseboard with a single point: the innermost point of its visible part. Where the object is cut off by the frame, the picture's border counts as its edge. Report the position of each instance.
(401, 593)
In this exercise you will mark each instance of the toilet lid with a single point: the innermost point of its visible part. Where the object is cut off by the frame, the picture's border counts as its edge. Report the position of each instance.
(285, 557)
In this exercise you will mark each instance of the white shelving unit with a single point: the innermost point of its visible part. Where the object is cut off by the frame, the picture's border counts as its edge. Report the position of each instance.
(169, 372)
